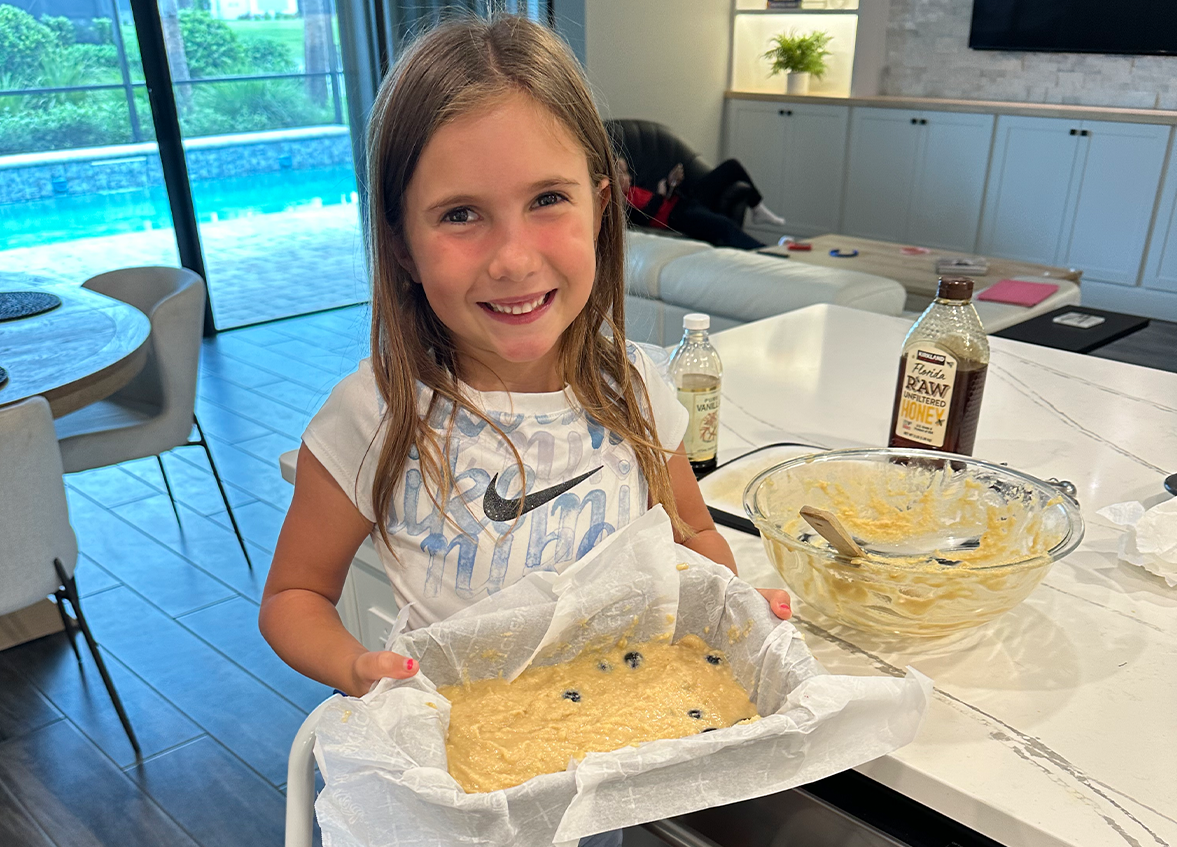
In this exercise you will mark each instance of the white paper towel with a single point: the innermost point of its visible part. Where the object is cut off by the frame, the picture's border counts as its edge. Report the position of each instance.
(1150, 536)
(382, 756)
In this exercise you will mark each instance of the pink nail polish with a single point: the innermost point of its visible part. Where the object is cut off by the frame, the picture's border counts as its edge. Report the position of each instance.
(410, 665)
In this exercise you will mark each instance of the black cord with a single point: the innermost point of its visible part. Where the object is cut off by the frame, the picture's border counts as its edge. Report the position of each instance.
(739, 522)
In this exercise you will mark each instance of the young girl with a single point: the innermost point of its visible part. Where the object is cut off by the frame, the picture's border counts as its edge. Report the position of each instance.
(502, 424)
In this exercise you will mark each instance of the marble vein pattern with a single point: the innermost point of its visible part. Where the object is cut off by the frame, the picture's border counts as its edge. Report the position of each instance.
(1054, 724)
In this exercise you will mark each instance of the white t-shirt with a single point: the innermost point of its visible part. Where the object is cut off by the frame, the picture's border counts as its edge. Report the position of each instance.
(583, 485)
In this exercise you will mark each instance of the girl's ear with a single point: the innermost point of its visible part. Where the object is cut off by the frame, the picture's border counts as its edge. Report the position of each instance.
(604, 193)
(405, 260)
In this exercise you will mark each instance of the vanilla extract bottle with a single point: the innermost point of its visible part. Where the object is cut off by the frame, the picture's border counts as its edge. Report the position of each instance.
(942, 374)
(698, 373)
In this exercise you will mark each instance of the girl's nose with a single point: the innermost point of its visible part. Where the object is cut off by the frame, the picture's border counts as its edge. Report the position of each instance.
(515, 257)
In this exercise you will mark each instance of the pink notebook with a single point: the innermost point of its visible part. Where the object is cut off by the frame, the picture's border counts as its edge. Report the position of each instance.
(1018, 292)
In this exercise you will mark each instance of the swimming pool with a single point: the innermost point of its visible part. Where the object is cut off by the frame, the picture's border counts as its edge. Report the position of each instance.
(66, 218)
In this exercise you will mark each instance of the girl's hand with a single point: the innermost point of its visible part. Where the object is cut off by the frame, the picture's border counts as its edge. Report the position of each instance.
(778, 601)
(369, 668)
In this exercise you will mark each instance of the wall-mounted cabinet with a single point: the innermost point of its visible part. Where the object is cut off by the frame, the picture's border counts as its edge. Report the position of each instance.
(917, 177)
(1073, 193)
(795, 152)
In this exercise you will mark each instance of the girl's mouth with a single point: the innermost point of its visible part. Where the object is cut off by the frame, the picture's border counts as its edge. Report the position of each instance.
(519, 310)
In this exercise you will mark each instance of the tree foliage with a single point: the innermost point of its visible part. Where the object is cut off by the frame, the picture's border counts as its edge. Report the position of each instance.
(23, 44)
(54, 53)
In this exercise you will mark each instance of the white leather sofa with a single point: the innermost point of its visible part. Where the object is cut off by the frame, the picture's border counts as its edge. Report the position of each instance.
(667, 278)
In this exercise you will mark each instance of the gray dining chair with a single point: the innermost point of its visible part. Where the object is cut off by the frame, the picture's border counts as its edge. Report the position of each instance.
(156, 411)
(38, 549)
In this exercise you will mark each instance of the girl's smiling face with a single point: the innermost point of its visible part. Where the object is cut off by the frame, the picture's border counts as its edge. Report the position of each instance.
(501, 219)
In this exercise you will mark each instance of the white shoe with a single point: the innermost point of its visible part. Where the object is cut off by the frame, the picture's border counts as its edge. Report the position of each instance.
(761, 214)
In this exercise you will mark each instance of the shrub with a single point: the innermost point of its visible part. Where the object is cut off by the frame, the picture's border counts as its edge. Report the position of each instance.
(102, 31)
(98, 120)
(251, 107)
(24, 43)
(62, 29)
(211, 46)
(266, 55)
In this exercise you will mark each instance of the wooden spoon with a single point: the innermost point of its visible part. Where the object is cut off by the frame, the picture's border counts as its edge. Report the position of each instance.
(830, 528)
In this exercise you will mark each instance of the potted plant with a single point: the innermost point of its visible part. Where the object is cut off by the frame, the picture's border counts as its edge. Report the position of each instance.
(800, 56)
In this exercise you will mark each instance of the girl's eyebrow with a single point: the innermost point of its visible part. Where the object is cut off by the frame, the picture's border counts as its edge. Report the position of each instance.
(463, 199)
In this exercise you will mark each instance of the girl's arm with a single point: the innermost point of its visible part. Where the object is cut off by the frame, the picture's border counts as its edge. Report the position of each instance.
(707, 540)
(320, 536)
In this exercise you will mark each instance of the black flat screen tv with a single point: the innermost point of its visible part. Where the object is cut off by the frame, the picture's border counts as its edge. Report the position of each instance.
(1076, 26)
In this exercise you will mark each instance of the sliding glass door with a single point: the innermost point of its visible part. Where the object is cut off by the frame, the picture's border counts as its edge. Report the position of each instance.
(259, 92)
(81, 187)
(253, 179)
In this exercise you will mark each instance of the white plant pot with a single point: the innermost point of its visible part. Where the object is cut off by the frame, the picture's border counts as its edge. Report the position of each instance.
(797, 83)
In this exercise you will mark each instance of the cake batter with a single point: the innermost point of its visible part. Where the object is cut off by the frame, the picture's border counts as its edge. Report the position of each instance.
(502, 734)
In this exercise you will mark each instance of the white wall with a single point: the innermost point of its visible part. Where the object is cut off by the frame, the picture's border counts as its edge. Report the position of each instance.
(663, 60)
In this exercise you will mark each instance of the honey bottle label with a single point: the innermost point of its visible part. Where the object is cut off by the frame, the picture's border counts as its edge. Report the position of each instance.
(925, 396)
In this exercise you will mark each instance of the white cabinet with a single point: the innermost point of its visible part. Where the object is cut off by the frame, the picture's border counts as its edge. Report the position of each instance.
(795, 154)
(1121, 169)
(1160, 268)
(1073, 193)
(917, 177)
(367, 606)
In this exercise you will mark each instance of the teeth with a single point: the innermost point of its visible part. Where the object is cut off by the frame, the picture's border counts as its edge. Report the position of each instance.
(519, 308)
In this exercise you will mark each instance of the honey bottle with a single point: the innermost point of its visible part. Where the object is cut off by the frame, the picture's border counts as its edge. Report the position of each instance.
(942, 374)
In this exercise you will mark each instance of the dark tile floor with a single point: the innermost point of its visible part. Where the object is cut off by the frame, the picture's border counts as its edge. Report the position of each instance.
(174, 608)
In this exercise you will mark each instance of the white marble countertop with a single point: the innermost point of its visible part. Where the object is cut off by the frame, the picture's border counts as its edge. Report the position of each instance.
(1055, 724)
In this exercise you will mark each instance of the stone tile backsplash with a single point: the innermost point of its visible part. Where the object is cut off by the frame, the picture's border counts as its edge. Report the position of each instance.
(928, 56)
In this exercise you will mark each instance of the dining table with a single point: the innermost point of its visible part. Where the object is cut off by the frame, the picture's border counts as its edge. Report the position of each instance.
(1054, 725)
(73, 355)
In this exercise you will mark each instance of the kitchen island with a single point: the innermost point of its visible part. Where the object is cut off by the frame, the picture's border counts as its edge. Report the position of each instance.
(1055, 724)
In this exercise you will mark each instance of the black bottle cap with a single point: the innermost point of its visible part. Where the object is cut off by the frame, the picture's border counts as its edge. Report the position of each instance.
(955, 288)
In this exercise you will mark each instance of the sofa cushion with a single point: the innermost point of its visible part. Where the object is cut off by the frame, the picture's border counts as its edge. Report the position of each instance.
(646, 255)
(747, 286)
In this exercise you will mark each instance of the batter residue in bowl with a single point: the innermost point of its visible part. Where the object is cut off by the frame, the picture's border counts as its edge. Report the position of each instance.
(502, 734)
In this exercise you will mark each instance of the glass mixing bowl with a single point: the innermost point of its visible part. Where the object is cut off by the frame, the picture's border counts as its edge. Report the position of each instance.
(951, 541)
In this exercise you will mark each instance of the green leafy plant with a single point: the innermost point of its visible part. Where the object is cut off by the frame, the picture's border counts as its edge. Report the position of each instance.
(211, 46)
(61, 27)
(793, 52)
(23, 44)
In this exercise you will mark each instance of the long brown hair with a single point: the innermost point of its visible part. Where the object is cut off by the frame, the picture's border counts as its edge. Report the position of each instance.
(459, 66)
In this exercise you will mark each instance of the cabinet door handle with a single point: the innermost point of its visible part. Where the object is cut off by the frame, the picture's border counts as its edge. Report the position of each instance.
(1084, 132)
(789, 112)
(1074, 132)
(923, 121)
(782, 111)
(914, 121)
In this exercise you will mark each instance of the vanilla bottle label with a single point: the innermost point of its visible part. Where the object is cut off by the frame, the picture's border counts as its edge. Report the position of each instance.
(700, 396)
(925, 394)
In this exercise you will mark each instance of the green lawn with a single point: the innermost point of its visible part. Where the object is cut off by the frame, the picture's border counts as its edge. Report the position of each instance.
(289, 32)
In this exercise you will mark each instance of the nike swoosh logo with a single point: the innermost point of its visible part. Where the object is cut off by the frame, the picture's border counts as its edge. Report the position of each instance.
(501, 509)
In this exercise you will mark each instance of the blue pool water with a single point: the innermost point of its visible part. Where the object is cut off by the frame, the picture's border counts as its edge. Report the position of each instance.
(65, 218)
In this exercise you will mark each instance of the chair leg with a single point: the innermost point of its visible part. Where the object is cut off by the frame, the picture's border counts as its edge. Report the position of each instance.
(70, 589)
(203, 442)
(168, 486)
(67, 624)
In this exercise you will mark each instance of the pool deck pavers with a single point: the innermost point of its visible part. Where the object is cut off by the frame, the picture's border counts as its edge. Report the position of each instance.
(260, 267)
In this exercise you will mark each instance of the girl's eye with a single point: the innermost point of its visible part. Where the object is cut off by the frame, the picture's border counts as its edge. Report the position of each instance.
(549, 198)
(460, 215)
